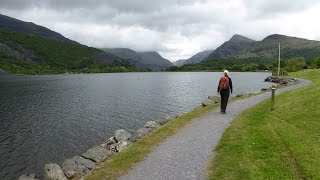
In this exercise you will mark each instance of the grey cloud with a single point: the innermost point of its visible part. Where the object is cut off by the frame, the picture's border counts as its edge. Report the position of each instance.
(272, 8)
(121, 5)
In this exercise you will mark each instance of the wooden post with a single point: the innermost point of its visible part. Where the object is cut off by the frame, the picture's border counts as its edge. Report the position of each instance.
(273, 90)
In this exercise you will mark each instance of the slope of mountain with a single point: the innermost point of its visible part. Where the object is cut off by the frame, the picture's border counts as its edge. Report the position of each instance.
(242, 47)
(154, 60)
(13, 24)
(198, 57)
(30, 54)
(127, 54)
(180, 62)
(231, 48)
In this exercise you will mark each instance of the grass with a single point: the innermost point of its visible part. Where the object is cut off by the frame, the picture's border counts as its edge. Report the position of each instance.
(279, 144)
(125, 160)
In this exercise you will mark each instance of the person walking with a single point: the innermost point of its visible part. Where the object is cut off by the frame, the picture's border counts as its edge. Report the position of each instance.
(224, 88)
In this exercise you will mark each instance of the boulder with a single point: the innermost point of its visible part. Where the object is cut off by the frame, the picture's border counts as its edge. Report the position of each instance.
(77, 165)
(53, 171)
(143, 131)
(215, 99)
(28, 177)
(239, 95)
(122, 135)
(207, 102)
(108, 142)
(152, 124)
(97, 154)
(120, 146)
(162, 121)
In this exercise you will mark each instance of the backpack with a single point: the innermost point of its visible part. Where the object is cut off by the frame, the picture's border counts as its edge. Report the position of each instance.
(224, 83)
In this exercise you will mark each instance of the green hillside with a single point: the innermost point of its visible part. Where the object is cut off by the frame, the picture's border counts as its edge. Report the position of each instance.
(23, 53)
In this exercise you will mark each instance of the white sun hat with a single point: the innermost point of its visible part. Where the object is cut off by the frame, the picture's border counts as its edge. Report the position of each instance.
(226, 72)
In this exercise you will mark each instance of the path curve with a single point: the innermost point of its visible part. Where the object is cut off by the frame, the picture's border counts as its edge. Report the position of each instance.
(186, 155)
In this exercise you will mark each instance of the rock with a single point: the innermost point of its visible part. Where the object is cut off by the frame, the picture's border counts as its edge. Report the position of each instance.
(53, 171)
(152, 124)
(162, 121)
(143, 131)
(97, 154)
(239, 95)
(28, 177)
(77, 165)
(120, 146)
(207, 102)
(215, 99)
(122, 135)
(264, 89)
(108, 142)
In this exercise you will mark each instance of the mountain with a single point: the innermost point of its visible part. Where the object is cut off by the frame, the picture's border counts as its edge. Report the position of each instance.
(241, 47)
(198, 57)
(180, 62)
(127, 54)
(154, 60)
(22, 53)
(13, 24)
(231, 48)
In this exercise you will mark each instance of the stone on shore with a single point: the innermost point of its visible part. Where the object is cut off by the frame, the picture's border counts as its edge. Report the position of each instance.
(215, 99)
(122, 135)
(53, 171)
(119, 146)
(239, 95)
(152, 124)
(143, 131)
(28, 177)
(281, 80)
(77, 165)
(96, 154)
(207, 102)
(162, 121)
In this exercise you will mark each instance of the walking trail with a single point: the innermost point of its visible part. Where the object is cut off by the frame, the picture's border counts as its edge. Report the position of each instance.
(186, 155)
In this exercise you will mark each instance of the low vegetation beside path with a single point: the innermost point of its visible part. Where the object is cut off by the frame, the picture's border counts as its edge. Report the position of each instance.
(279, 144)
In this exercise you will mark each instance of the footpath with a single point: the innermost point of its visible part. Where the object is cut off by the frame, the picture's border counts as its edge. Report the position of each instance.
(187, 154)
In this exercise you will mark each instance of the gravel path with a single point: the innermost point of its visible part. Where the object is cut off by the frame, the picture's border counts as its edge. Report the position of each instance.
(186, 155)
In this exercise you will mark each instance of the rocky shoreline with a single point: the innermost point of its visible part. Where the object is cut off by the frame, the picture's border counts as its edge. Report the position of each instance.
(281, 80)
(82, 165)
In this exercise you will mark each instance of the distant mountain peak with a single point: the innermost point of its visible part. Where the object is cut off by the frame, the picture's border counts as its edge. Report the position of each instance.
(275, 37)
(239, 38)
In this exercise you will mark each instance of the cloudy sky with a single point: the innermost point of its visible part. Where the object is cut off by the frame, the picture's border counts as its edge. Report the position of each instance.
(177, 29)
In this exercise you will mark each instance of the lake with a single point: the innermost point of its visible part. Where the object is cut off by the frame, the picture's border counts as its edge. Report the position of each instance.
(49, 118)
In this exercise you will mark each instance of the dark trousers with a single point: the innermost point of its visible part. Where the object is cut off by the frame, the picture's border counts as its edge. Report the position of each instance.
(224, 100)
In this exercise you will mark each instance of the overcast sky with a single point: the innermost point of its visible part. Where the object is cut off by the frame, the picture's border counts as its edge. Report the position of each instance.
(177, 29)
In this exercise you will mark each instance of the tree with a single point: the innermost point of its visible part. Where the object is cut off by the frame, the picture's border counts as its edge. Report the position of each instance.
(296, 64)
(315, 63)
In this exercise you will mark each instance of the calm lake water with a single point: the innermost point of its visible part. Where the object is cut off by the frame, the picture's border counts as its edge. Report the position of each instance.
(50, 118)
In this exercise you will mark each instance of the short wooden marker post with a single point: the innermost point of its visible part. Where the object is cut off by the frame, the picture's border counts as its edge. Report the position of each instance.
(273, 90)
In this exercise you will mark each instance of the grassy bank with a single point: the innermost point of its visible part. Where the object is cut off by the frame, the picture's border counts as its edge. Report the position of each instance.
(282, 144)
(125, 160)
